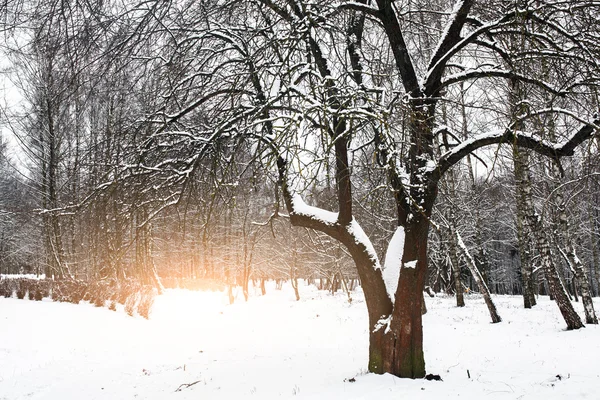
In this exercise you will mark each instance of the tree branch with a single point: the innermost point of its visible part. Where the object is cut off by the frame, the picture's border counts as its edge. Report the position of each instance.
(405, 66)
(522, 139)
(360, 6)
(497, 73)
(450, 38)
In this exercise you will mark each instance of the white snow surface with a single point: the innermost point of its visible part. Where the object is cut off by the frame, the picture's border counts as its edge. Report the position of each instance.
(393, 262)
(26, 276)
(301, 208)
(361, 237)
(273, 347)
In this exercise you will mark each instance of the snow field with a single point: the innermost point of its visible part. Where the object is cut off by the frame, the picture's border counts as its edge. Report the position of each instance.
(273, 347)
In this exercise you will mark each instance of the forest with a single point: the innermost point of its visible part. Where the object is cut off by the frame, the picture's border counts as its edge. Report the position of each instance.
(407, 147)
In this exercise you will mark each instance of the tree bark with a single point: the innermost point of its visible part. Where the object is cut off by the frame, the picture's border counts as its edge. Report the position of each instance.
(524, 233)
(406, 359)
(582, 281)
(453, 244)
(557, 290)
(483, 289)
(575, 263)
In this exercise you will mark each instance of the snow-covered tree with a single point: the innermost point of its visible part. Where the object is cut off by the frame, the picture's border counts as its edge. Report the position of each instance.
(311, 84)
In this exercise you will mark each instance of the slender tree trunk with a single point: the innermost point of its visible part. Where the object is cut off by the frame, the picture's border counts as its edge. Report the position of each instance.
(594, 235)
(524, 234)
(483, 289)
(453, 244)
(263, 289)
(575, 263)
(554, 283)
(345, 285)
(481, 258)
(582, 280)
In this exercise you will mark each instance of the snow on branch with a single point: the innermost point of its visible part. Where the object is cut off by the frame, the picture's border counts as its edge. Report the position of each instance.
(499, 73)
(359, 6)
(361, 238)
(450, 37)
(300, 208)
(519, 138)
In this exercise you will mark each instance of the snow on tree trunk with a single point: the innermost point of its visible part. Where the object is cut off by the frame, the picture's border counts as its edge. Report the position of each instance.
(582, 280)
(594, 235)
(393, 262)
(574, 262)
(483, 289)
(460, 298)
(557, 290)
(405, 358)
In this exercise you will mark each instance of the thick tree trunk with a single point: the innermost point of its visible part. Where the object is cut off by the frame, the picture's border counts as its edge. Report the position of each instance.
(379, 308)
(405, 357)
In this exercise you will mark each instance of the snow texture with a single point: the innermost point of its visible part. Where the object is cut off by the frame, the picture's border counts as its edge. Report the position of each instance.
(430, 166)
(492, 134)
(410, 264)
(393, 262)
(383, 322)
(361, 237)
(273, 347)
(301, 208)
(26, 276)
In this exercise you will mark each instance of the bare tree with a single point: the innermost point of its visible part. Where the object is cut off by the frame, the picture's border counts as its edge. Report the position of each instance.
(306, 84)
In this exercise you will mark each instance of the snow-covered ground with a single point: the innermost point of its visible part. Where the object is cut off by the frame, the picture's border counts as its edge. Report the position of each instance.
(276, 348)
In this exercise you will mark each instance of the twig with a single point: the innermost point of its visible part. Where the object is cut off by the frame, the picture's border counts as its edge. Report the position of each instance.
(186, 385)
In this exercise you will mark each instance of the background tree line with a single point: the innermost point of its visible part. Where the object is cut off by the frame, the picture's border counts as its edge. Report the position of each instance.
(83, 114)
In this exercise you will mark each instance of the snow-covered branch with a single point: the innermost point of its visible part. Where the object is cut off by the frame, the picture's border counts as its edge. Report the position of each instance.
(450, 37)
(519, 138)
(359, 6)
(498, 73)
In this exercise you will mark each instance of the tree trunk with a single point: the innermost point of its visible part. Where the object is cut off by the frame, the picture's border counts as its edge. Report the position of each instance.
(575, 263)
(405, 358)
(524, 234)
(345, 286)
(582, 280)
(481, 258)
(460, 298)
(293, 269)
(263, 290)
(594, 235)
(483, 289)
(453, 244)
(230, 295)
(554, 283)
